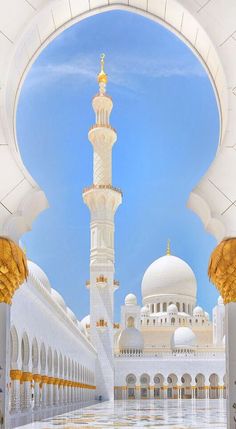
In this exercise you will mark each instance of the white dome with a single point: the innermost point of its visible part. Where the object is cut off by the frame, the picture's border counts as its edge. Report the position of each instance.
(169, 275)
(130, 338)
(220, 300)
(130, 299)
(207, 316)
(71, 315)
(198, 311)
(58, 298)
(145, 311)
(85, 321)
(172, 308)
(183, 337)
(38, 274)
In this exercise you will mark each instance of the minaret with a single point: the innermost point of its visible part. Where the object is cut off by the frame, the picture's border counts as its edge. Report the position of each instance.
(102, 200)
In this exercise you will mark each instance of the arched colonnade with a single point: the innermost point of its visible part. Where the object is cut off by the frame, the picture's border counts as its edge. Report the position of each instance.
(173, 386)
(41, 376)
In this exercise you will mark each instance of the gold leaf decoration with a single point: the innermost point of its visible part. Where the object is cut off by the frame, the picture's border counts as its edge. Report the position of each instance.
(13, 269)
(222, 269)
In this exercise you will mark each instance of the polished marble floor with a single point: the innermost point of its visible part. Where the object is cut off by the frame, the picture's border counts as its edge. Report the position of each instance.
(167, 414)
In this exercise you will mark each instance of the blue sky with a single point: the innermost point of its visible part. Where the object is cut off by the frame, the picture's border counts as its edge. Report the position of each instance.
(166, 117)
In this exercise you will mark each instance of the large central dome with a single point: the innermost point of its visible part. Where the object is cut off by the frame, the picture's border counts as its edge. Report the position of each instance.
(169, 275)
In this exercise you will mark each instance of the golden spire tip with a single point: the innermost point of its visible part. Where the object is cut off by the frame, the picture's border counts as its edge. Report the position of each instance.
(102, 76)
(168, 248)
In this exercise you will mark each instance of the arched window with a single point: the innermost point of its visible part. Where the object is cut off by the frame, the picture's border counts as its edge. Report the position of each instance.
(130, 322)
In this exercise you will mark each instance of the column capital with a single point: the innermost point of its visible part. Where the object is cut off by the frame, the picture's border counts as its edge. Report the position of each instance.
(27, 376)
(222, 269)
(13, 269)
(37, 378)
(15, 374)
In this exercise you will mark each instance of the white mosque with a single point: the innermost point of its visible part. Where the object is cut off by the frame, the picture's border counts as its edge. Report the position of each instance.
(168, 348)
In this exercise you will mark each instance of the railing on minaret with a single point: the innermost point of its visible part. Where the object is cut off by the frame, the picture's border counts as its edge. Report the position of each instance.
(102, 200)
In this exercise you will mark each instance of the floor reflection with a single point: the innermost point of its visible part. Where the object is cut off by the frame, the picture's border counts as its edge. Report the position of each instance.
(174, 414)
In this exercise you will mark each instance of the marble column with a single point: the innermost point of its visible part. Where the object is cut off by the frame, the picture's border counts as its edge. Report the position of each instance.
(26, 390)
(37, 380)
(44, 380)
(50, 391)
(207, 390)
(76, 392)
(179, 391)
(165, 391)
(72, 392)
(55, 391)
(230, 323)
(151, 392)
(15, 375)
(4, 364)
(65, 392)
(60, 389)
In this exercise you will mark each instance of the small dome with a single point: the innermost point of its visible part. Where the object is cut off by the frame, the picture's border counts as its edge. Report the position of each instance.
(168, 275)
(198, 311)
(130, 339)
(58, 298)
(183, 337)
(207, 315)
(172, 308)
(85, 322)
(130, 299)
(36, 273)
(145, 311)
(220, 300)
(71, 315)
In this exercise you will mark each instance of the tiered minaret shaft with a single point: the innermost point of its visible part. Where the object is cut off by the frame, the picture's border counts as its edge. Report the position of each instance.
(102, 200)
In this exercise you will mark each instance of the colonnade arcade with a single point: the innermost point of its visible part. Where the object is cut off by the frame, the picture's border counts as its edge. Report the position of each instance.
(42, 377)
(173, 386)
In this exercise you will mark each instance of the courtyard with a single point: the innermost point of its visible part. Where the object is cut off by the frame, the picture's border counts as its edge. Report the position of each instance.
(167, 414)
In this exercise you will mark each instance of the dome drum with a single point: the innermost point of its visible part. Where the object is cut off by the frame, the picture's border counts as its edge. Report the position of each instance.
(162, 303)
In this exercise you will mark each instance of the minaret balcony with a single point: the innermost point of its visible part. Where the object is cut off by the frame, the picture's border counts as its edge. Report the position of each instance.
(102, 95)
(116, 284)
(95, 126)
(101, 325)
(93, 186)
(102, 136)
(116, 326)
(101, 281)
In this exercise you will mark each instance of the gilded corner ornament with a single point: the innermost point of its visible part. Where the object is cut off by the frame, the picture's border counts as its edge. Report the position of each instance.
(13, 269)
(222, 269)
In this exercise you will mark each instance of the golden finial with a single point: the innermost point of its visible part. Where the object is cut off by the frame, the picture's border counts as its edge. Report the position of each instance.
(102, 76)
(168, 248)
